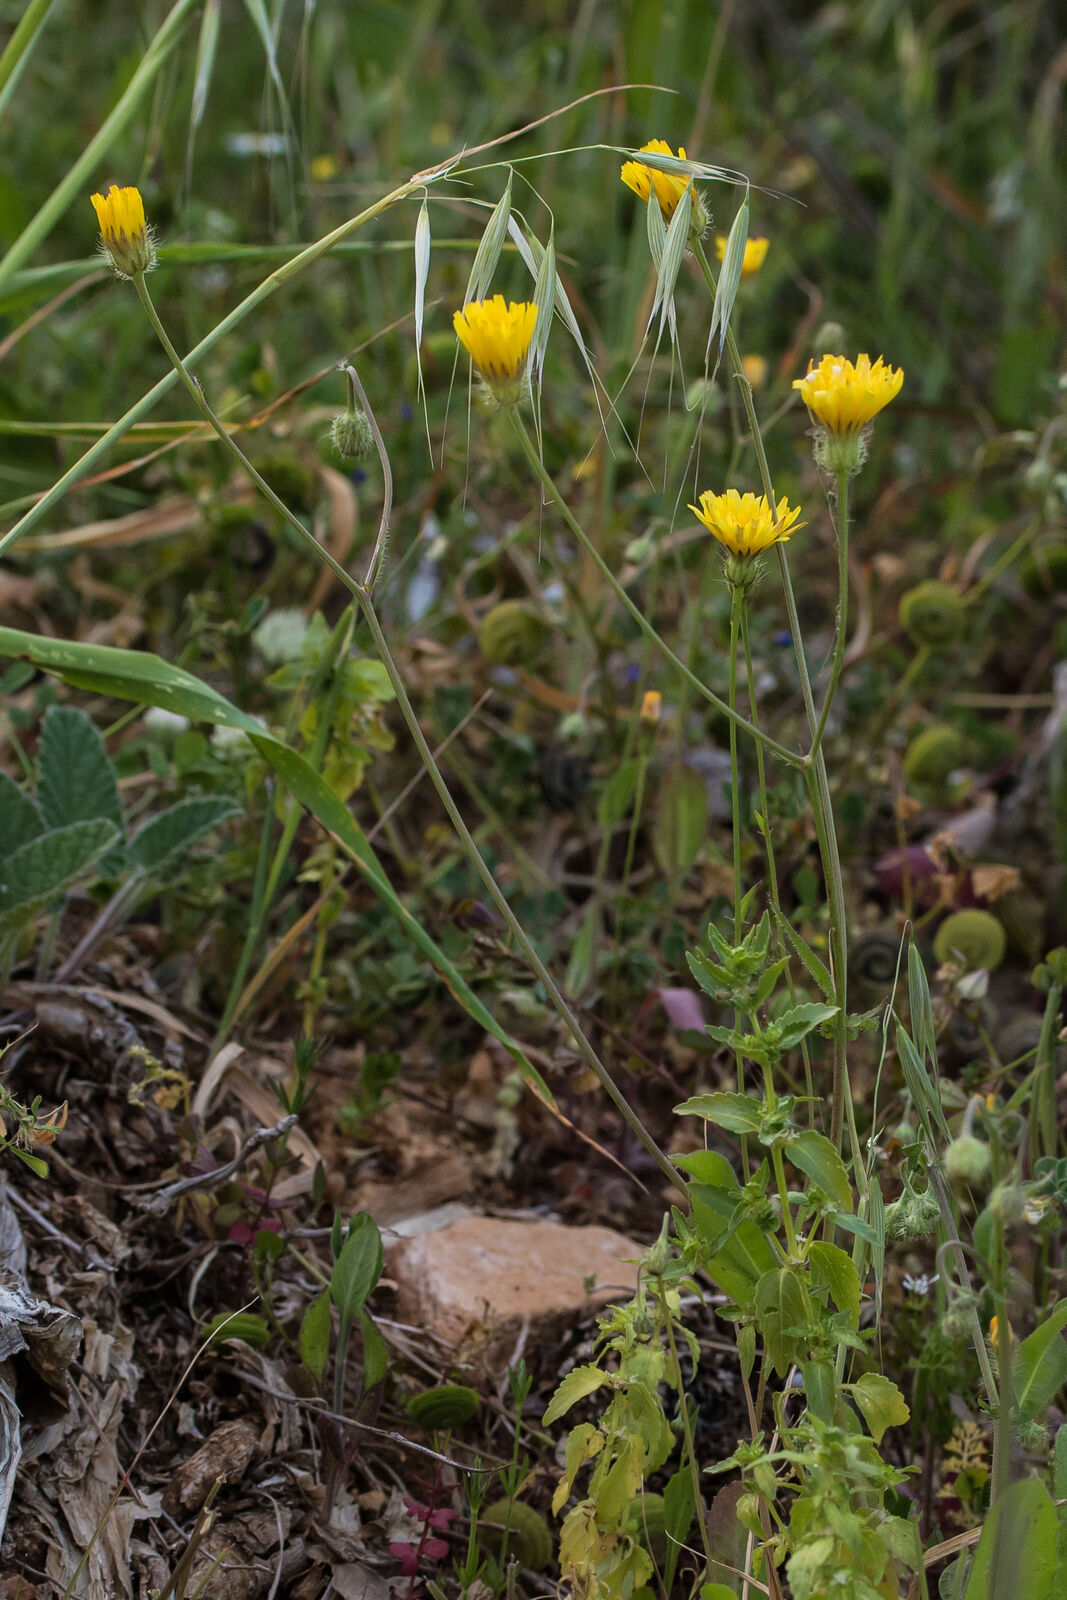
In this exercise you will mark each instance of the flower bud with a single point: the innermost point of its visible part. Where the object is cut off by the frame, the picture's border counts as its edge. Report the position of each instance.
(351, 435)
(968, 1160)
(124, 234)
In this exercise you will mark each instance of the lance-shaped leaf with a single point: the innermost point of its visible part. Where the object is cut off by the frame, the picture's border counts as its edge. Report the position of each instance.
(1040, 1365)
(729, 277)
(422, 269)
(488, 252)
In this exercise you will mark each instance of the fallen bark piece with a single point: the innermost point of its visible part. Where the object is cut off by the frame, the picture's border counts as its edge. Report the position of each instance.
(226, 1453)
(478, 1283)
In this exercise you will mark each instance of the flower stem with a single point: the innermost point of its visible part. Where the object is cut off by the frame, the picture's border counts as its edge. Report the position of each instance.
(815, 764)
(638, 616)
(361, 593)
(736, 607)
(842, 611)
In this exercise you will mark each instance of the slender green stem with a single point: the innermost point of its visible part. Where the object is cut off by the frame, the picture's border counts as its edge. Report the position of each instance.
(768, 849)
(736, 607)
(815, 765)
(635, 819)
(687, 1427)
(842, 611)
(362, 595)
(638, 616)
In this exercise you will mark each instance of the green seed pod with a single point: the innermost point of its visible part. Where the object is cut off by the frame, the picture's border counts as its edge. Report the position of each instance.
(976, 936)
(646, 1517)
(530, 1538)
(933, 754)
(932, 613)
(913, 1216)
(967, 1160)
(1044, 571)
(448, 1406)
(512, 634)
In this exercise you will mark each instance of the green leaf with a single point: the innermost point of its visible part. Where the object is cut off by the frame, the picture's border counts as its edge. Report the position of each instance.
(621, 1481)
(834, 1268)
(783, 1316)
(1016, 1555)
(680, 822)
(881, 1402)
(708, 1166)
(314, 1339)
(815, 968)
(717, 1591)
(148, 680)
(617, 795)
(20, 820)
(1059, 1464)
(580, 960)
(358, 1267)
(243, 1325)
(375, 1352)
(579, 1382)
(817, 1159)
(34, 1163)
(820, 1389)
(920, 1005)
(75, 776)
(737, 1113)
(678, 1509)
(796, 1023)
(923, 1090)
(1040, 1365)
(49, 865)
(160, 844)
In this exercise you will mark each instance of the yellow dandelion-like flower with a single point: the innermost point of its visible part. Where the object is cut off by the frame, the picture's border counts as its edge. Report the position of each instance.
(744, 524)
(669, 186)
(651, 707)
(496, 334)
(843, 397)
(126, 237)
(755, 253)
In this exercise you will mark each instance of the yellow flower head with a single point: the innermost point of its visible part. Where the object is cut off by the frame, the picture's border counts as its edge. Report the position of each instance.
(126, 237)
(497, 337)
(651, 707)
(843, 397)
(669, 186)
(755, 253)
(743, 523)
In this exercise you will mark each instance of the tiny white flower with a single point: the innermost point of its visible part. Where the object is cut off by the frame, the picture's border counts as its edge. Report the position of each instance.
(921, 1285)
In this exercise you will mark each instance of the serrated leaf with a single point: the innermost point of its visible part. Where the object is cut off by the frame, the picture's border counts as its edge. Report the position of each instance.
(148, 680)
(375, 1352)
(813, 966)
(314, 1338)
(48, 865)
(881, 1402)
(579, 1382)
(171, 834)
(737, 1113)
(1040, 1366)
(76, 777)
(796, 1023)
(20, 820)
(358, 1267)
(817, 1159)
